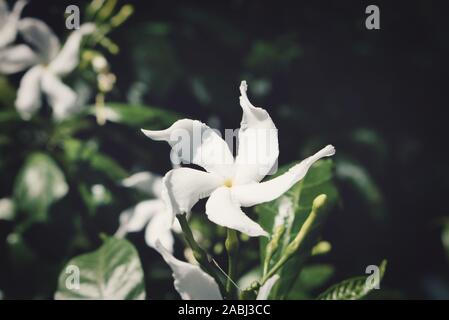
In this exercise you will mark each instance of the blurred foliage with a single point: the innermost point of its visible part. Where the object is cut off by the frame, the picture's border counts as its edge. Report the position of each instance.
(377, 96)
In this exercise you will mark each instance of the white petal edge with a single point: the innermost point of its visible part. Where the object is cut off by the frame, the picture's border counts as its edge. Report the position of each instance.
(258, 147)
(68, 58)
(137, 217)
(223, 209)
(196, 143)
(183, 187)
(191, 282)
(264, 291)
(144, 181)
(40, 36)
(61, 97)
(28, 99)
(159, 229)
(252, 194)
(16, 58)
(9, 22)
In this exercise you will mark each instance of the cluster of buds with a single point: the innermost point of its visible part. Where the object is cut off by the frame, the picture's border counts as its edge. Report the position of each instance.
(105, 78)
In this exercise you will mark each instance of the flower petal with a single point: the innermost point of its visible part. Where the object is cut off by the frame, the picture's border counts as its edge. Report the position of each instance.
(264, 291)
(194, 142)
(41, 37)
(146, 182)
(255, 193)
(9, 22)
(16, 58)
(223, 209)
(258, 142)
(68, 58)
(159, 229)
(191, 282)
(28, 99)
(61, 98)
(183, 187)
(138, 216)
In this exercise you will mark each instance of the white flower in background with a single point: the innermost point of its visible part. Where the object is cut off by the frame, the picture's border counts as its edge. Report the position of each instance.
(9, 21)
(192, 283)
(229, 183)
(48, 62)
(150, 213)
(7, 209)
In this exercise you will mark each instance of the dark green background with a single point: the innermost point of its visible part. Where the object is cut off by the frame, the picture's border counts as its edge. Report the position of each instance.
(379, 96)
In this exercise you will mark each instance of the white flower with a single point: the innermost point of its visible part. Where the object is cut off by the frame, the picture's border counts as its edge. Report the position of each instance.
(192, 283)
(229, 183)
(49, 62)
(150, 213)
(9, 21)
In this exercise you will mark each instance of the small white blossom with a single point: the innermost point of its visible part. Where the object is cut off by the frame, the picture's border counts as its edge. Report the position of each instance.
(229, 183)
(47, 63)
(150, 213)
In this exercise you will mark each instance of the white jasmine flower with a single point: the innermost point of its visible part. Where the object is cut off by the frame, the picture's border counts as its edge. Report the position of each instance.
(192, 283)
(150, 213)
(49, 62)
(229, 183)
(9, 21)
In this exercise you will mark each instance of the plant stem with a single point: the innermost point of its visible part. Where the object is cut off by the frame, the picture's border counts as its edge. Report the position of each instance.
(232, 248)
(272, 246)
(294, 246)
(199, 253)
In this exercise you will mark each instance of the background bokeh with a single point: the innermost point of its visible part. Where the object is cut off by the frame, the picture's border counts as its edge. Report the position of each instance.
(379, 96)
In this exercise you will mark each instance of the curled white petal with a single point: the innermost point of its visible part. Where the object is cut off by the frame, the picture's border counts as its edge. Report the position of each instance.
(194, 142)
(61, 98)
(191, 282)
(183, 187)
(223, 209)
(255, 193)
(264, 291)
(28, 99)
(41, 37)
(258, 142)
(16, 58)
(68, 58)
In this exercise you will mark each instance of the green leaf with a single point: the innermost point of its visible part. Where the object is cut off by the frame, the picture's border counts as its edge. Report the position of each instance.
(138, 116)
(292, 209)
(312, 277)
(39, 183)
(7, 93)
(111, 272)
(80, 152)
(354, 288)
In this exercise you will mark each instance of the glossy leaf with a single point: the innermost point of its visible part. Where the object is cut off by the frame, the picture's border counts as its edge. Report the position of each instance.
(39, 183)
(354, 288)
(112, 272)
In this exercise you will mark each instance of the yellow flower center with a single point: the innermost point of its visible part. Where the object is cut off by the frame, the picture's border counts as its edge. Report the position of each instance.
(228, 183)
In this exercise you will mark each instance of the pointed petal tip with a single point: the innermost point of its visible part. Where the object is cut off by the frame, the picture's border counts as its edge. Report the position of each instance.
(243, 86)
(328, 150)
(259, 232)
(149, 133)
